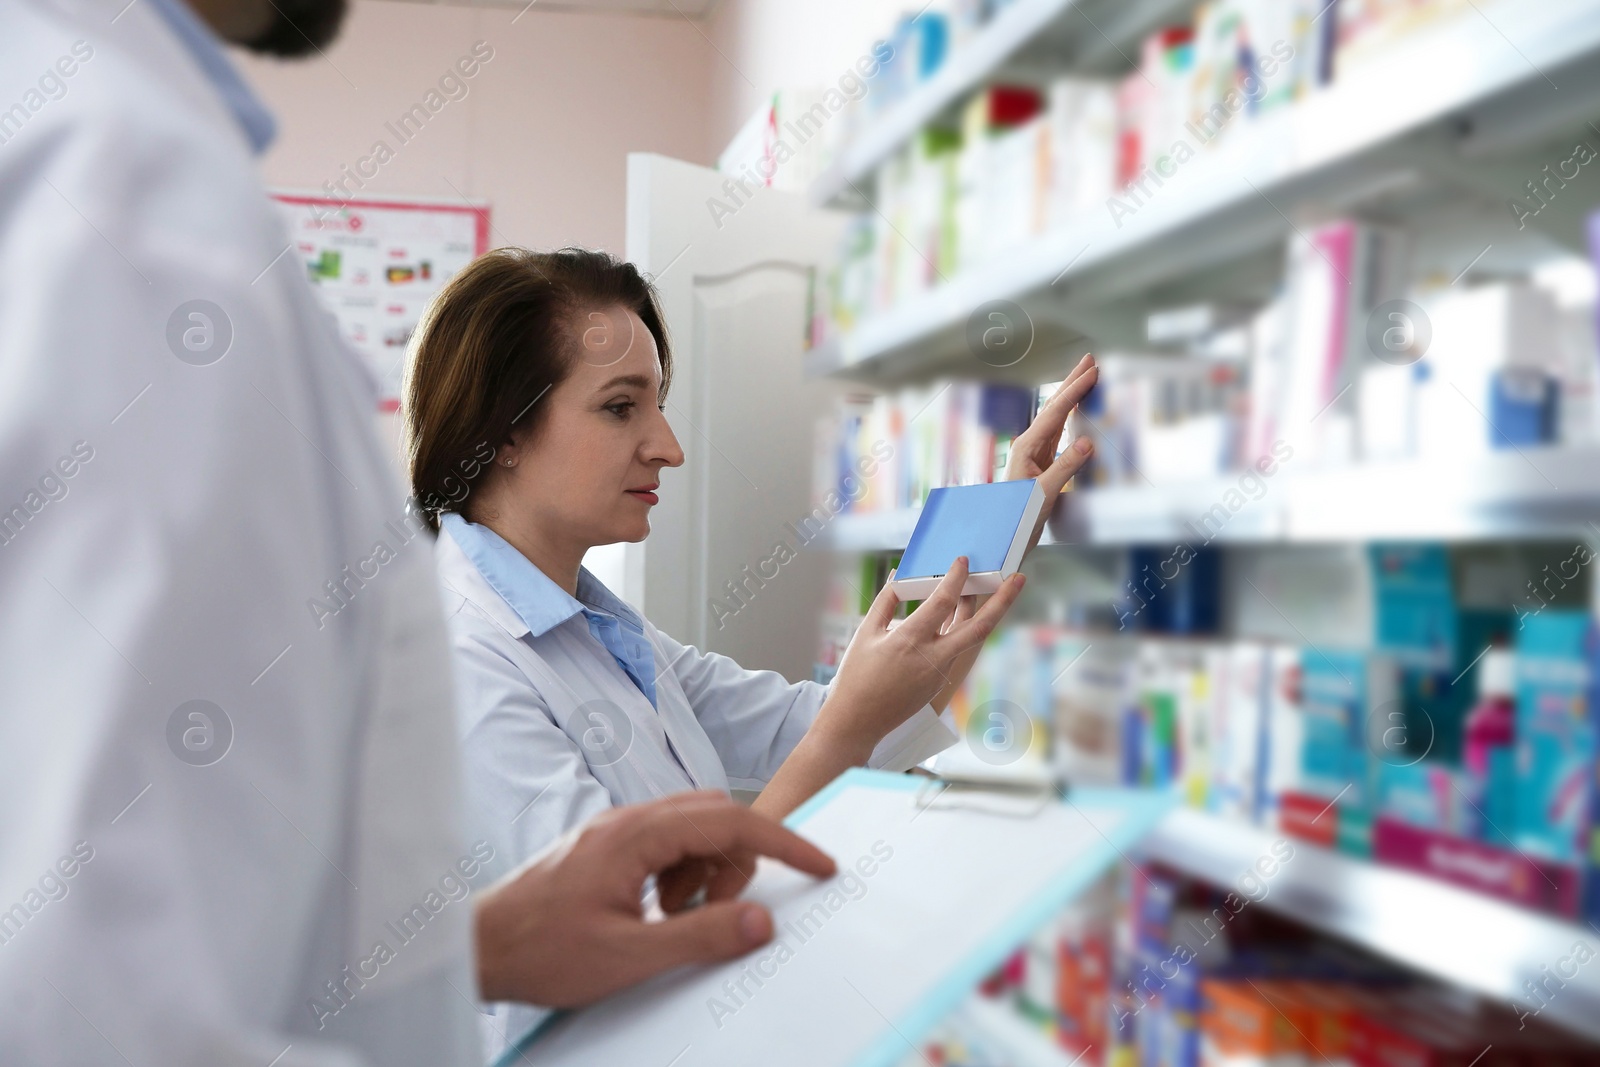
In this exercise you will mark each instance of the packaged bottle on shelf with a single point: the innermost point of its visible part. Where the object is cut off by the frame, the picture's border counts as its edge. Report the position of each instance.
(1239, 733)
(926, 37)
(1316, 36)
(1167, 63)
(1083, 136)
(1502, 346)
(1347, 697)
(1489, 754)
(1037, 991)
(1555, 738)
(1267, 366)
(1416, 618)
(1590, 905)
(1283, 737)
(1153, 727)
(850, 284)
(912, 231)
(1273, 43)
(998, 175)
(1083, 971)
(1335, 280)
(1244, 65)
(1220, 43)
(1089, 680)
(1188, 424)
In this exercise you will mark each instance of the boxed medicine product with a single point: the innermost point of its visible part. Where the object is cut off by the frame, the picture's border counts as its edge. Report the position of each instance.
(1555, 739)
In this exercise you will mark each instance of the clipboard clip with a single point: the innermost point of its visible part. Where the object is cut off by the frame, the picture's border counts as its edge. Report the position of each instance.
(1011, 800)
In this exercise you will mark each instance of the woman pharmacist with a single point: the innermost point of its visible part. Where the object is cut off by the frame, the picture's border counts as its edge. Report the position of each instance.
(547, 373)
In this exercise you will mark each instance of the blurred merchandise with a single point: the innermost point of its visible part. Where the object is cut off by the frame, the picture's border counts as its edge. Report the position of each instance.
(885, 452)
(1555, 735)
(1367, 27)
(1021, 160)
(1458, 744)
(1383, 665)
(1152, 968)
(1002, 712)
(783, 144)
(1297, 382)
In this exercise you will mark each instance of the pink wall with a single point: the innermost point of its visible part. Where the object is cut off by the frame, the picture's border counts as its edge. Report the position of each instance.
(794, 44)
(545, 125)
(542, 132)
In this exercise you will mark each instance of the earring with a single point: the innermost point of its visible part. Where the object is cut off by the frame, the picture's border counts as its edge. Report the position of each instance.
(510, 461)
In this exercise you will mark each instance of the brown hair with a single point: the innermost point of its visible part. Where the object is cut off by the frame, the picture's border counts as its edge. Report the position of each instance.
(499, 335)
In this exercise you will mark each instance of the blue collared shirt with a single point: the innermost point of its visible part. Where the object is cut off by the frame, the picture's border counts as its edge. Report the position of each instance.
(543, 605)
(259, 125)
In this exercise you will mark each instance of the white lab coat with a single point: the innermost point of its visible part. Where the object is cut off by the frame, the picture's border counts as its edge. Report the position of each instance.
(207, 906)
(553, 731)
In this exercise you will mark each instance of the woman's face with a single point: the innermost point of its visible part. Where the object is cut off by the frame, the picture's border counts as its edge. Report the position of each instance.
(589, 475)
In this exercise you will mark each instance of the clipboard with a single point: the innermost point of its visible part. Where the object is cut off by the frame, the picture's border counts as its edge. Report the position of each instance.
(936, 887)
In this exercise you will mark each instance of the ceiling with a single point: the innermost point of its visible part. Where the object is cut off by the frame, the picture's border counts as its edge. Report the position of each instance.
(653, 8)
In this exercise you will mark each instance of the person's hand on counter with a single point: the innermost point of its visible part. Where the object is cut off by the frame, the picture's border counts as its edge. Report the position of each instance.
(569, 928)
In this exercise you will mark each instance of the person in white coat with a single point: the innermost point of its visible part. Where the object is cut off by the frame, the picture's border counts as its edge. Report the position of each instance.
(229, 829)
(534, 408)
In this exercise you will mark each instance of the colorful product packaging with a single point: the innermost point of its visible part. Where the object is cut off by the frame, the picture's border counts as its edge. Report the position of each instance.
(1555, 746)
(1503, 873)
(1239, 734)
(1344, 695)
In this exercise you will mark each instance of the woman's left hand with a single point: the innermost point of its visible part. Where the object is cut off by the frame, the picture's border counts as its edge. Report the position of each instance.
(1033, 453)
(890, 671)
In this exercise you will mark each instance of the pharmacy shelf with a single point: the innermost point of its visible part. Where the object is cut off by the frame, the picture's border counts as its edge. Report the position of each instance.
(1465, 938)
(967, 68)
(1531, 493)
(1000, 1026)
(1496, 64)
(1099, 26)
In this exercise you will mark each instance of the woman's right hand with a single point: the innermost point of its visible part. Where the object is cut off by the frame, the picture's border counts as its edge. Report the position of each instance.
(891, 670)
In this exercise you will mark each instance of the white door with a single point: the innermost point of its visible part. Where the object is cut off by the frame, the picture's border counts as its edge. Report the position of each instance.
(715, 571)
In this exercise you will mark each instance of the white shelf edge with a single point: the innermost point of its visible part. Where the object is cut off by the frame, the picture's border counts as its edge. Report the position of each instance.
(1533, 493)
(1467, 939)
(1357, 114)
